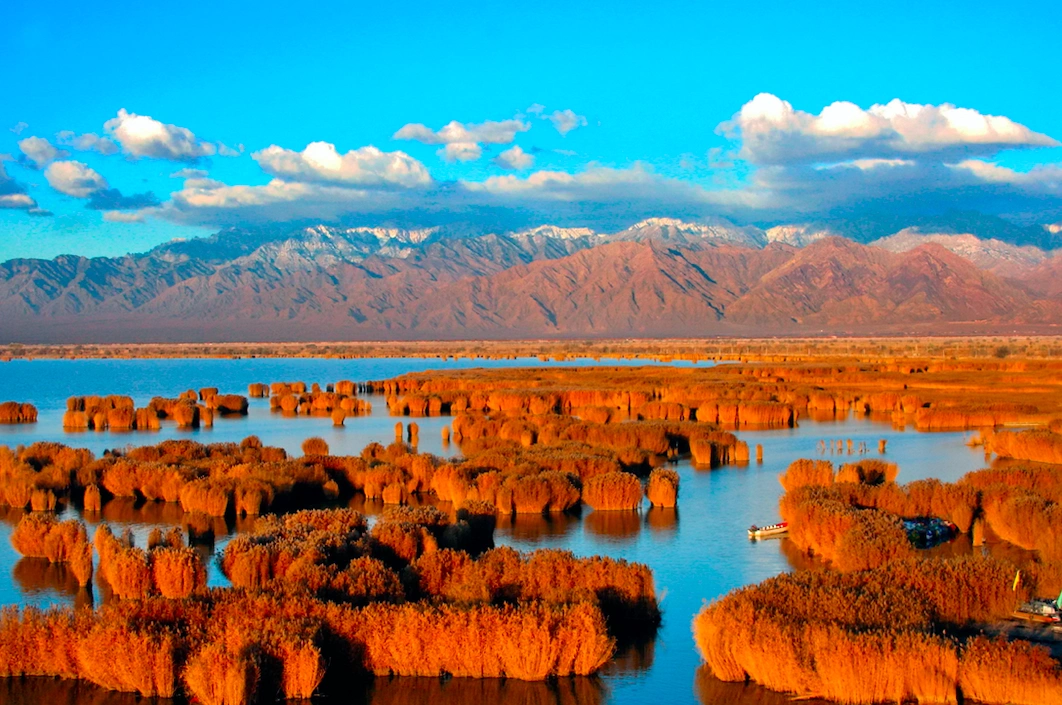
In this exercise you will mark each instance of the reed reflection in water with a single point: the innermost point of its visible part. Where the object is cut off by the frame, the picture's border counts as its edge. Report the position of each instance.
(712, 691)
(535, 528)
(619, 525)
(485, 691)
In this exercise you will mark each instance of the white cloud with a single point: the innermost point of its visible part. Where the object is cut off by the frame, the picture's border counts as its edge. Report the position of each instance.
(320, 162)
(489, 132)
(536, 109)
(1047, 176)
(40, 151)
(19, 127)
(771, 131)
(13, 195)
(123, 216)
(187, 173)
(514, 158)
(143, 136)
(210, 202)
(462, 140)
(74, 179)
(461, 152)
(16, 201)
(226, 151)
(88, 142)
(591, 187)
(566, 120)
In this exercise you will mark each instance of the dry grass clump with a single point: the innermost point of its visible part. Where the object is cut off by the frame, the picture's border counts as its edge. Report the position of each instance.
(1021, 504)
(166, 568)
(39, 475)
(807, 473)
(1017, 672)
(1040, 445)
(823, 523)
(225, 404)
(717, 448)
(736, 413)
(623, 590)
(317, 594)
(254, 560)
(613, 490)
(662, 488)
(217, 479)
(17, 412)
(863, 637)
(292, 398)
(315, 446)
(43, 536)
(867, 472)
(957, 503)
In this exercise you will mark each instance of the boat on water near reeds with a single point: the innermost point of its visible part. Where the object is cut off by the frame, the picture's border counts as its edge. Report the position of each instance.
(763, 532)
(1041, 611)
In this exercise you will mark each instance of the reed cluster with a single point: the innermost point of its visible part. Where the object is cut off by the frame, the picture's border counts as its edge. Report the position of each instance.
(872, 636)
(17, 412)
(43, 536)
(319, 598)
(662, 488)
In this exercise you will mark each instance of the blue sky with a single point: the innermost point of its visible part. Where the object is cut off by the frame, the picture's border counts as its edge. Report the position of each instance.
(648, 86)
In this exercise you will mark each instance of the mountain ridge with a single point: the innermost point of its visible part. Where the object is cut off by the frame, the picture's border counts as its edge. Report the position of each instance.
(661, 277)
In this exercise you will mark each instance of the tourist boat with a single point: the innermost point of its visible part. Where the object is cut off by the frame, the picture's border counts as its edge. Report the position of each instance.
(762, 532)
(1043, 611)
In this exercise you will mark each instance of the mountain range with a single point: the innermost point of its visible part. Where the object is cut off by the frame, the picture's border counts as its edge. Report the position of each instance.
(659, 277)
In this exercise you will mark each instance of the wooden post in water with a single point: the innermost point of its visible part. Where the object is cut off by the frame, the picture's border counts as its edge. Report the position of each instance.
(759, 452)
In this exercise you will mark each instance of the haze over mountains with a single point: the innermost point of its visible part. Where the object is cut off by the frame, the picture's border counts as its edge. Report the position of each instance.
(659, 277)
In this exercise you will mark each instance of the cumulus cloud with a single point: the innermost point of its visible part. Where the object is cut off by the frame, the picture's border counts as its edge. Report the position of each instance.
(74, 179)
(113, 200)
(320, 162)
(897, 158)
(514, 158)
(143, 136)
(227, 151)
(566, 120)
(123, 216)
(771, 131)
(13, 195)
(187, 173)
(88, 142)
(17, 201)
(461, 152)
(40, 151)
(209, 202)
(462, 140)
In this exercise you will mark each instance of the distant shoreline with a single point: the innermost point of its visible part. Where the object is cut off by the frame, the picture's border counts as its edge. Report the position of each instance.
(765, 349)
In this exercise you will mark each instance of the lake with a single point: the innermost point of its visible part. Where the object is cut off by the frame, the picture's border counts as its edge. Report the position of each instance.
(697, 552)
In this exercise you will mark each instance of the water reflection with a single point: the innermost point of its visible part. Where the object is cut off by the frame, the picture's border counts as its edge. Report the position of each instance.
(632, 658)
(485, 691)
(712, 691)
(536, 528)
(798, 560)
(37, 575)
(23, 691)
(617, 524)
(662, 520)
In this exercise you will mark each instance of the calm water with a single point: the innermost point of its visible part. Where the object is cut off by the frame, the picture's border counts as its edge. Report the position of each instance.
(697, 553)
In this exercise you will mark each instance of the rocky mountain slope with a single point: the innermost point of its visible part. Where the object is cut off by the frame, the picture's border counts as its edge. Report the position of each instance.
(660, 277)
